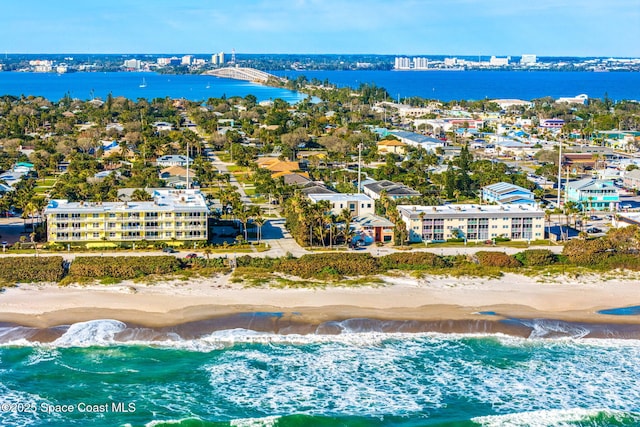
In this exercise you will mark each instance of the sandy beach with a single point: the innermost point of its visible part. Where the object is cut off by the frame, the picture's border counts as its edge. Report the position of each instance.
(433, 299)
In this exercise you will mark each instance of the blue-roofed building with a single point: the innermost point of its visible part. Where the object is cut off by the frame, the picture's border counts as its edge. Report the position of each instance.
(417, 140)
(593, 194)
(504, 193)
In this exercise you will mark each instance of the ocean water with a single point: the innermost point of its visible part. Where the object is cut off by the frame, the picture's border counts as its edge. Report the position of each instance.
(475, 85)
(90, 85)
(107, 373)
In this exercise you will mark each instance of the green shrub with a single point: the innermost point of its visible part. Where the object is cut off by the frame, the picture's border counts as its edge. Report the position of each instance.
(411, 261)
(123, 267)
(536, 257)
(588, 252)
(496, 259)
(31, 269)
(258, 262)
(338, 264)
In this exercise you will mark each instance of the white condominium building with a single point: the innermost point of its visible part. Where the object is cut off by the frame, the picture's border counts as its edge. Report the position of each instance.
(472, 222)
(172, 215)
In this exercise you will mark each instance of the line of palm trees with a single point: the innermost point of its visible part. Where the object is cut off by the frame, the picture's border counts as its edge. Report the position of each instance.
(315, 223)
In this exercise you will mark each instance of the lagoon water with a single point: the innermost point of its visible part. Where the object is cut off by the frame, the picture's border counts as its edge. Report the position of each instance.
(240, 377)
(475, 85)
(443, 85)
(90, 85)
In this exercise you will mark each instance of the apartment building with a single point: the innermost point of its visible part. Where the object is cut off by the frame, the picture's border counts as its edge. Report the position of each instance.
(172, 215)
(472, 222)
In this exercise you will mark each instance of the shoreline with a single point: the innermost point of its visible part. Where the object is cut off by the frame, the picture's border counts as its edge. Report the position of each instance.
(513, 304)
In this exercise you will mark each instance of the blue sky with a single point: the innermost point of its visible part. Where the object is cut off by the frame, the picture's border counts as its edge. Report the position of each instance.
(409, 27)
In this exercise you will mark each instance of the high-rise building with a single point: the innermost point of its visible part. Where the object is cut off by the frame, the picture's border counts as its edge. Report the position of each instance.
(402, 63)
(186, 60)
(420, 63)
(133, 64)
(217, 58)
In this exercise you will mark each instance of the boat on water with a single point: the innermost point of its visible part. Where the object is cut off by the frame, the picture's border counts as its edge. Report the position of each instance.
(144, 83)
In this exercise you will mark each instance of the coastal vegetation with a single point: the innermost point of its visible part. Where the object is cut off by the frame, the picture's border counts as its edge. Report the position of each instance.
(618, 250)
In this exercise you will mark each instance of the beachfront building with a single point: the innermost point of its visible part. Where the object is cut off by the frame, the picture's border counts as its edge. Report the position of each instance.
(472, 222)
(358, 204)
(173, 215)
(372, 228)
(503, 193)
(593, 194)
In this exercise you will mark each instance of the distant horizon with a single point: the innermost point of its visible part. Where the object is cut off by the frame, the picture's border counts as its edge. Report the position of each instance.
(458, 55)
(552, 28)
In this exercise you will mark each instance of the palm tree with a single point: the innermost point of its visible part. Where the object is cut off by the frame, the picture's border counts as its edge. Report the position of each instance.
(141, 195)
(259, 220)
(346, 217)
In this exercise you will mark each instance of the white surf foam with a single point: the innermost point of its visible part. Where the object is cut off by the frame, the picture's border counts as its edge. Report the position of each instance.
(543, 418)
(93, 332)
(255, 422)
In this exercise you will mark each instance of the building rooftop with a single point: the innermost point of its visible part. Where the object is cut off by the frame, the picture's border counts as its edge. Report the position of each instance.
(340, 197)
(504, 188)
(415, 210)
(168, 200)
(587, 184)
(392, 188)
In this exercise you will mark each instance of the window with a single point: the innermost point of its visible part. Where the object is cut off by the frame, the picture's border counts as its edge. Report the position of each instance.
(96, 235)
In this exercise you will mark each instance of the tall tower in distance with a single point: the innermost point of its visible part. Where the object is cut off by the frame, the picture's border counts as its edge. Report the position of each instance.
(233, 56)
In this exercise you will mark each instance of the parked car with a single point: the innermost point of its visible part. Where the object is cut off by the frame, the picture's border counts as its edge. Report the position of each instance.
(169, 250)
(593, 230)
(191, 256)
(609, 217)
(594, 218)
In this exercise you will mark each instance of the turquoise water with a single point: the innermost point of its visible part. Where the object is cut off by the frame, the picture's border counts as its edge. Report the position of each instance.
(245, 378)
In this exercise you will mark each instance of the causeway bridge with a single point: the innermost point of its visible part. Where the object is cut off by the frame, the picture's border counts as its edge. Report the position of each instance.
(242, 73)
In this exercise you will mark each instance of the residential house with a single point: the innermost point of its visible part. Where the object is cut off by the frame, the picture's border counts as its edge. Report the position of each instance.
(631, 179)
(417, 140)
(276, 165)
(391, 146)
(173, 160)
(474, 223)
(373, 228)
(392, 190)
(173, 215)
(162, 126)
(506, 193)
(173, 171)
(593, 194)
(357, 204)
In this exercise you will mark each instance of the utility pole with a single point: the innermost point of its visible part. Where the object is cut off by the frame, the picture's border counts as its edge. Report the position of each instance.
(359, 162)
(559, 172)
(188, 164)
